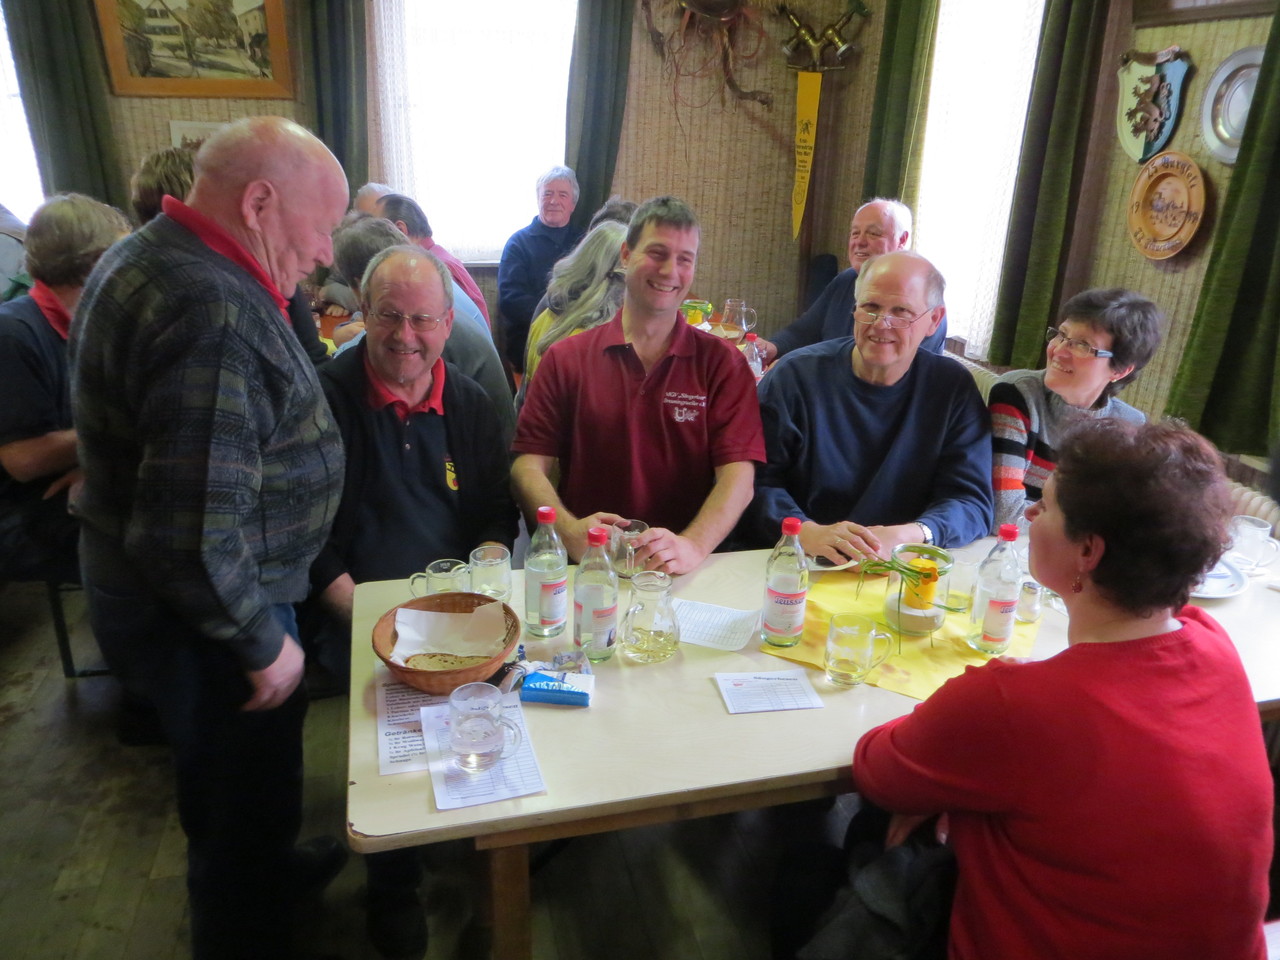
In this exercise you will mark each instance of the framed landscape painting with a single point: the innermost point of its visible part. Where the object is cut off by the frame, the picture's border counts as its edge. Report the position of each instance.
(196, 48)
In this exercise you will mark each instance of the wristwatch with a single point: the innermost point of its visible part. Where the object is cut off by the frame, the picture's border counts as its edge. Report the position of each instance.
(927, 537)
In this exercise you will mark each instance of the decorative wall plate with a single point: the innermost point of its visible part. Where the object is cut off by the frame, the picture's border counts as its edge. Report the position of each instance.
(1166, 205)
(1226, 102)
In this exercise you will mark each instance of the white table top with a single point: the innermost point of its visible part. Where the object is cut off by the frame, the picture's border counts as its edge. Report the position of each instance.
(659, 734)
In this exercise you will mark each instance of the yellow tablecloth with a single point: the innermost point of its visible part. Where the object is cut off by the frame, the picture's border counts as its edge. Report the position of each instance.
(918, 665)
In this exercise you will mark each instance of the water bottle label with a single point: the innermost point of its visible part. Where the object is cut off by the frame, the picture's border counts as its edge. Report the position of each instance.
(784, 613)
(600, 626)
(997, 623)
(553, 603)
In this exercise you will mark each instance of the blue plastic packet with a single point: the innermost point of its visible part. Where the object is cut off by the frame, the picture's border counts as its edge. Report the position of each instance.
(570, 689)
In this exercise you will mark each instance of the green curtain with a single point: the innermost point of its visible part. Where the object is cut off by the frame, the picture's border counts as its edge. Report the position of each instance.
(1228, 380)
(901, 101)
(597, 97)
(62, 75)
(337, 67)
(1049, 171)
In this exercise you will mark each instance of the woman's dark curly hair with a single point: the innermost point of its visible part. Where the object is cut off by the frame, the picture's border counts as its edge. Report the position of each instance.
(1156, 495)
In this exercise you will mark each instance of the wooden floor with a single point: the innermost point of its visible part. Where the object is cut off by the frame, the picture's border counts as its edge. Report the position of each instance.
(92, 857)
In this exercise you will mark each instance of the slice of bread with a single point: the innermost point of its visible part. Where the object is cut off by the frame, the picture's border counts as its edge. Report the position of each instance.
(442, 661)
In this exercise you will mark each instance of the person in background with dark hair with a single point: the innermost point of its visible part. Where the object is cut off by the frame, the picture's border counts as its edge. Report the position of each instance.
(616, 209)
(38, 460)
(406, 214)
(1102, 340)
(167, 172)
(1113, 801)
(528, 256)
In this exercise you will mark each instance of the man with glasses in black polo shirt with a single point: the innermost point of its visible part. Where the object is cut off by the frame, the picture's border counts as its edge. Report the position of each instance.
(426, 480)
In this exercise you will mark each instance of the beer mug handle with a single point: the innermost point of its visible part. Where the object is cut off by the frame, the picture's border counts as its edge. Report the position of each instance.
(877, 635)
(748, 318)
(415, 580)
(516, 737)
(627, 619)
(1273, 545)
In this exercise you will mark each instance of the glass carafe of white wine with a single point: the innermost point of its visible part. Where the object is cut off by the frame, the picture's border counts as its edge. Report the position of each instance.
(650, 633)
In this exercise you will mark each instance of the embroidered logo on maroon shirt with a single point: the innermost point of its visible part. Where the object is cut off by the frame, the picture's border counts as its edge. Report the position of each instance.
(685, 407)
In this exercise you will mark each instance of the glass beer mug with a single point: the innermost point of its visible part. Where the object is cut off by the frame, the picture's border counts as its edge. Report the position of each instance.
(650, 633)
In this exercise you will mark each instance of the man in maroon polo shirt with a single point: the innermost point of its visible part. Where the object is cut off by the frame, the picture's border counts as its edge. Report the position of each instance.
(644, 417)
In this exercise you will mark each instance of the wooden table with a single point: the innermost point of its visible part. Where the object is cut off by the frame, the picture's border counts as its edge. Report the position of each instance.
(657, 744)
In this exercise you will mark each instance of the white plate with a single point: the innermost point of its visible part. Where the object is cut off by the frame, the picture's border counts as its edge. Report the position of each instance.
(1226, 102)
(1224, 580)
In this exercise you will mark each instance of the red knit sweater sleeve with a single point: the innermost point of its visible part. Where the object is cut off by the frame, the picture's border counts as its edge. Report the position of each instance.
(951, 753)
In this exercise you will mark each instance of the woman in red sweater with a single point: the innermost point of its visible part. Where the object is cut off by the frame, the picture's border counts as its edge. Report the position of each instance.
(1112, 802)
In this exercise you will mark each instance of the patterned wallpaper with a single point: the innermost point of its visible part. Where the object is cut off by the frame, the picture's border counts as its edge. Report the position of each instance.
(142, 123)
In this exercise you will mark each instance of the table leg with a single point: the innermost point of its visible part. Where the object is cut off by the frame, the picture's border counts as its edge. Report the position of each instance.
(509, 901)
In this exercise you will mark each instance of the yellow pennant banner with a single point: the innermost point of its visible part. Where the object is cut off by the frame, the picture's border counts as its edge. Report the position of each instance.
(808, 89)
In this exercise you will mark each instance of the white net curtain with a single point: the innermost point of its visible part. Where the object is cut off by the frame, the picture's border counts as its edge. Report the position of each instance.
(981, 81)
(467, 108)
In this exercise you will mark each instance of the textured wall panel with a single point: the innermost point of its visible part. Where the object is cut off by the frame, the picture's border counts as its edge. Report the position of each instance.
(142, 123)
(1174, 284)
(734, 162)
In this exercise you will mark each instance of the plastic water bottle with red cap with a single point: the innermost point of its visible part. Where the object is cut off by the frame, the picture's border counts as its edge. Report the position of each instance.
(995, 596)
(786, 577)
(546, 580)
(595, 599)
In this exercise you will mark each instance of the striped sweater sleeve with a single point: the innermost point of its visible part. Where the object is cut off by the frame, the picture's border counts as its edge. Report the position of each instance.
(1011, 448)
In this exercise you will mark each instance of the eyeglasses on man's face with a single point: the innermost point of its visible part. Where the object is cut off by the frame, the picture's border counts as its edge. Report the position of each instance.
(393, 319)
(1081, 349)
(892, 320)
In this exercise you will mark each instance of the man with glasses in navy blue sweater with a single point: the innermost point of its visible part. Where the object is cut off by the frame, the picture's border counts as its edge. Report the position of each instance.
(871, 441)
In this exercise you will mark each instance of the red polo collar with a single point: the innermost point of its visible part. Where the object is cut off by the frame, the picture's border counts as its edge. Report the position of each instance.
(379, 397)
(52, 309)
(216, 238)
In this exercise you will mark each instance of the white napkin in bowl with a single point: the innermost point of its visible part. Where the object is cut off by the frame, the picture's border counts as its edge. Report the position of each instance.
(481, 633)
